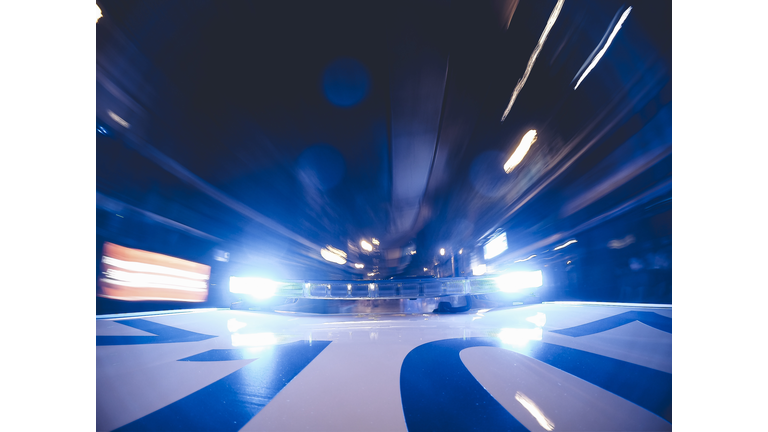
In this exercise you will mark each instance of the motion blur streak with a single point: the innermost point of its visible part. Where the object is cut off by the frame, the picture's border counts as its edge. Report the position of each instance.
(118, 119)
(151, 268)
(184, 174)
(535, 411)
(137, 279)
(333, 255)
(520, 152)
(569, 242)
(542, 39)
(525, 259)
(124, 279)
(605, 47)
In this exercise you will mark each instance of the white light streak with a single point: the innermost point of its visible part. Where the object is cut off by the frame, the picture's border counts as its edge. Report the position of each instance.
(442, 251)
(365, 245)
(461, 251)
(605, 47)
(152, 268)
(516, 281)
(535, 411)
(359, 265)
(375, 241)
(333, 255)
(147, 278)
(522, 149)
(532, 60)
(118, 119)
(151, 285)
(526, 259)
(569, 242)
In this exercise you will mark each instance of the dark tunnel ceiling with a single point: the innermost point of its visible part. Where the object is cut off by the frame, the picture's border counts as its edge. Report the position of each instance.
(350, 120)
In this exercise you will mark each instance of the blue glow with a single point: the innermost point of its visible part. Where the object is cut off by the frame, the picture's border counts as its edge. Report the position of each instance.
(495, 246)
(346, 82)
(516, 281)
(255, 287)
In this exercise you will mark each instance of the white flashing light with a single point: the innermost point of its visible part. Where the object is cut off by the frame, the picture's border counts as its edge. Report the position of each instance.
(522, 149)
(442, 251)
(605, 47)
(359, 265)
(496, 246)
(478, 271)
(366, 246)
(516, 281)
(146, 279)
(568, 243)
(256, 287)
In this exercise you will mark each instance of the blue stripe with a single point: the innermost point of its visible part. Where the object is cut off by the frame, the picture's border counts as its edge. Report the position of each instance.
(646, 387)
(439, 393)
(231, 402)
(651, 319)
(164, 334)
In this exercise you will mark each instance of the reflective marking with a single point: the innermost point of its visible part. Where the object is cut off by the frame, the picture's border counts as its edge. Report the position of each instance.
(651, 319)
(229, 403)
(164, 334)
(434, 381)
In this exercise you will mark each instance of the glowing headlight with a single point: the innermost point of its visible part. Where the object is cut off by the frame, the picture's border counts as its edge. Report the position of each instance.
(256, 287)
(516, 281)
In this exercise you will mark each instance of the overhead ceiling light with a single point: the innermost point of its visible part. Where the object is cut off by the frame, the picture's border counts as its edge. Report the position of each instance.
(425, 269)
(460, 251)
(359, 265)
(605, 47)
(442, 251)
(521, 150)
(365, 245)
(532, 60)
(375, 241)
